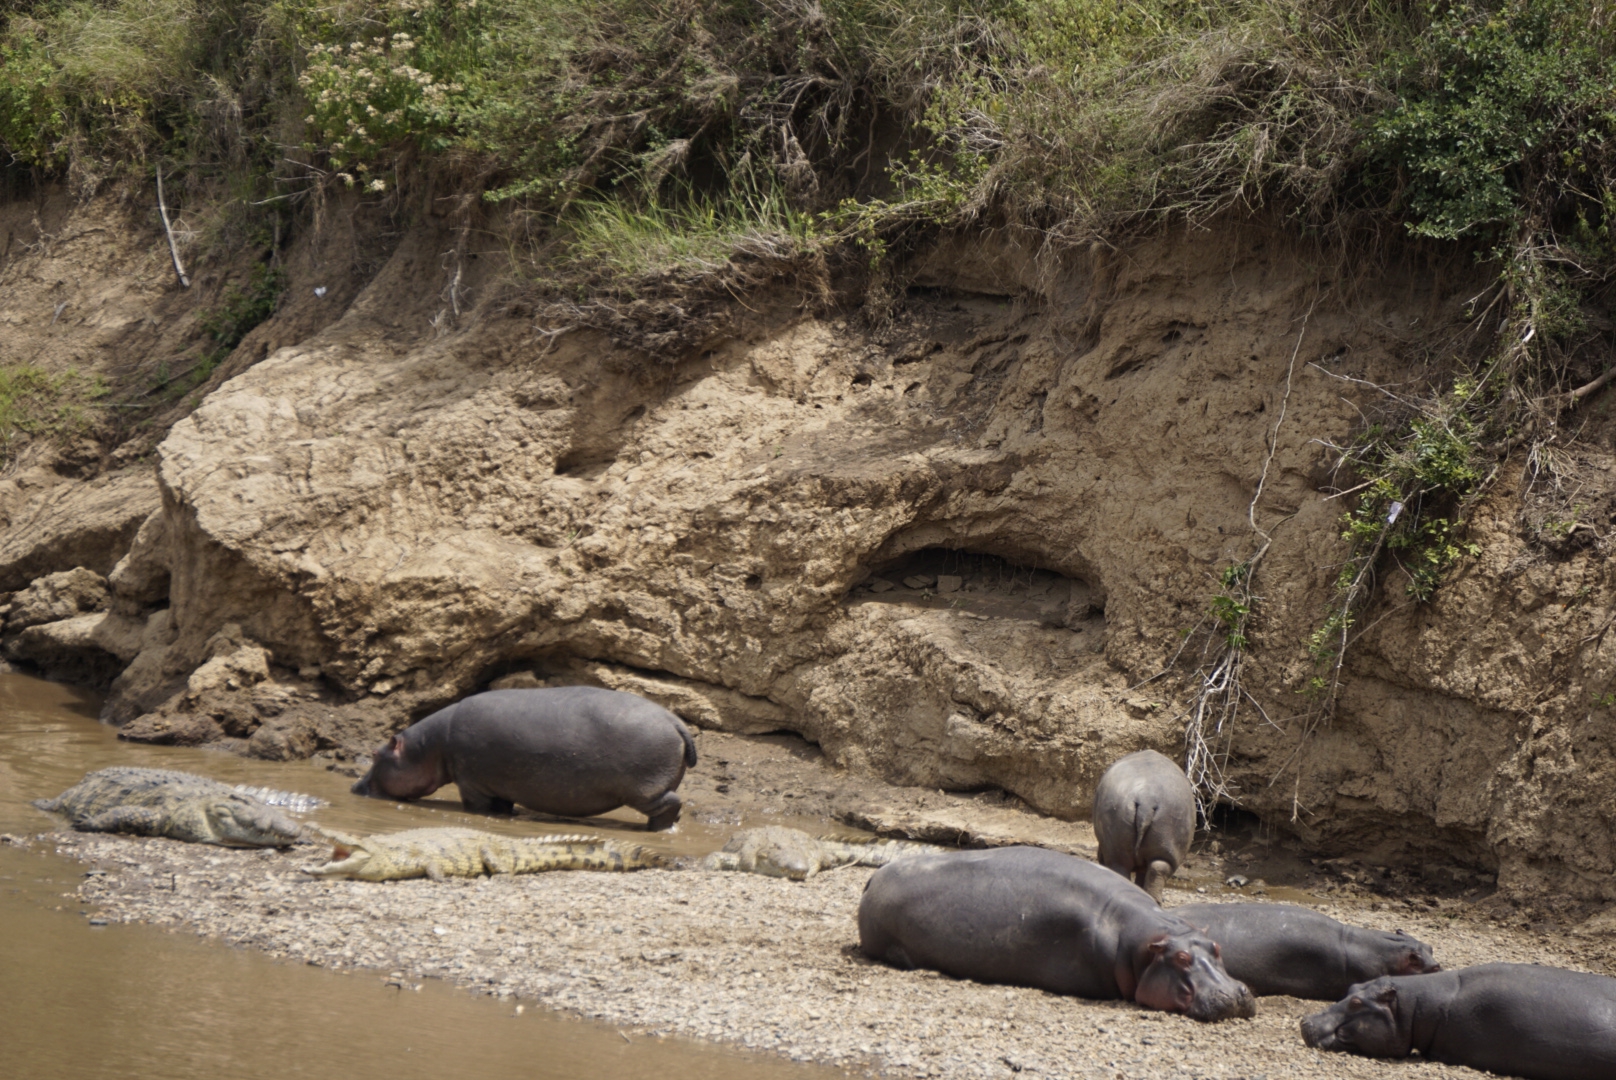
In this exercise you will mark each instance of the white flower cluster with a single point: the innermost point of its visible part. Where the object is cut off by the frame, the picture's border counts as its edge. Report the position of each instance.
(367, 95)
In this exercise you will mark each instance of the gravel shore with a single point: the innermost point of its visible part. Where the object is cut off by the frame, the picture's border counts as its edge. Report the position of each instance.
(759, 962)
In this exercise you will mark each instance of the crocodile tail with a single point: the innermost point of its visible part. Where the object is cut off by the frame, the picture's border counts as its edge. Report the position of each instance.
(632, 857)
(644, 858)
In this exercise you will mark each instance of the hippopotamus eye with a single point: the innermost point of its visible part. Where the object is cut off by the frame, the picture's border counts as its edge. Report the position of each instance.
(1355, 1003)
(1217, 951)
(1183, 960)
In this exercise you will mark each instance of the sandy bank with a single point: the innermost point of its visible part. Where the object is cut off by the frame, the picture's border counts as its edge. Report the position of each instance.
(728, 957)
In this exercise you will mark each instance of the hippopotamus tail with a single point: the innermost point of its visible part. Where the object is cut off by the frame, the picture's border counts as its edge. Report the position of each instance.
(690, 745)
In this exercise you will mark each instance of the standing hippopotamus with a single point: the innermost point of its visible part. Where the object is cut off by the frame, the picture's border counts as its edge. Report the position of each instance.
(1030, 917)
(1144, 818)
(572, 750)
(1542, 1023)
(1285, 949)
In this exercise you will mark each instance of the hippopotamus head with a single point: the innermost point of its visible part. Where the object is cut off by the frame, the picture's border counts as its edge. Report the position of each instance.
(396, 773)
(1410, 956)
(1364, 1022)
(1182, 972)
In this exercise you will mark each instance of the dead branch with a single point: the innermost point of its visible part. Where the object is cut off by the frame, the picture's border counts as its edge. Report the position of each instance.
(173, 248)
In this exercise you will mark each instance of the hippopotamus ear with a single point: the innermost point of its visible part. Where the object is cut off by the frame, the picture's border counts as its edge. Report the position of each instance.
(395, 745)
(1387, 996)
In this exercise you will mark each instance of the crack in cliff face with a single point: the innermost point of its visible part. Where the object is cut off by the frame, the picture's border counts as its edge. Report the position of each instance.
(375, 521)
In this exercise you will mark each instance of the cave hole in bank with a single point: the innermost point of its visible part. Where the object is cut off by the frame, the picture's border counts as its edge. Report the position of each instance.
(983, 584)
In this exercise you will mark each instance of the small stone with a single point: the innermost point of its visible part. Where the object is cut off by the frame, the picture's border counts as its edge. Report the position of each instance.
(98, 922)
(919, 581)
(949, 583)
(1239, 881)
(881, 585)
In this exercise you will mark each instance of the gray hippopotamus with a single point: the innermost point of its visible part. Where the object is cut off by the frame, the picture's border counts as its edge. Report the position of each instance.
(1285, 949)
(572, 750)
(1542, 1023)
(1030, 917)
(1144, 818)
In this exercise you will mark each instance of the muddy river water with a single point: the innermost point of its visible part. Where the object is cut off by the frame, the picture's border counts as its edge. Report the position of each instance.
(79, 1001)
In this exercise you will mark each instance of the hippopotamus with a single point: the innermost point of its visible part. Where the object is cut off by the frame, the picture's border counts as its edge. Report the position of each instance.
(1285, 949)
(1031, 917)
(1542, 1023)
(1144, 818)
(572, 750)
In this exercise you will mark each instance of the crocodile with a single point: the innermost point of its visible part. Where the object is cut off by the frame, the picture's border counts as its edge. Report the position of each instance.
(441, 853)
(178, 805)
(776, 851)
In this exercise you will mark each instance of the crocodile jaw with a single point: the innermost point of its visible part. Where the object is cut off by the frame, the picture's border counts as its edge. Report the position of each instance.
(346, 861)
(237, 822)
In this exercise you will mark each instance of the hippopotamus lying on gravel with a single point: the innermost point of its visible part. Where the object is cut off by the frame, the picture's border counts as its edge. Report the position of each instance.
(1542, 1023)
(1031, 917)
(1144, 818)
(1285, 949)
(572, 750)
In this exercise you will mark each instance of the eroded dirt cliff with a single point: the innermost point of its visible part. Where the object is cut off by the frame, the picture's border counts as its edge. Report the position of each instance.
(951, 547)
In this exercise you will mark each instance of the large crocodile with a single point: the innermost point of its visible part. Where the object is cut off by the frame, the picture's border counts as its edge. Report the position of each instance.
(776, 851)
(448, 852)
(178, 805)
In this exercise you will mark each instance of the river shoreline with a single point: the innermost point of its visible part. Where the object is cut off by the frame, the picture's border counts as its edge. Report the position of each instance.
(734, 958)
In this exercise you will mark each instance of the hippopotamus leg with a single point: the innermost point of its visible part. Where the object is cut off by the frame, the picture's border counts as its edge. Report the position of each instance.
(661, 811)
(1153, 877)
(480, 802)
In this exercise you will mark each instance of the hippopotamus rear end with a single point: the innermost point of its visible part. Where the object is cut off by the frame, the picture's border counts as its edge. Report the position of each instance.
(1144, 819)
(574, 751)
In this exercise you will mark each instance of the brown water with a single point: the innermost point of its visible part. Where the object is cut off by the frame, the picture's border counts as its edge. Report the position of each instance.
(135, 1002)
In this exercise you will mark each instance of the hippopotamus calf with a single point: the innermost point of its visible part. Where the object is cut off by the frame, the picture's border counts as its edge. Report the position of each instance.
(1144, 818)
(1285, 949)
(572, 750)
(1542, 1023)
(1030, 917)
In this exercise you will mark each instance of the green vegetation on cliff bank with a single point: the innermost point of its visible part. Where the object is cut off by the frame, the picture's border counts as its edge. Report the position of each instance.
(1485, 121)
